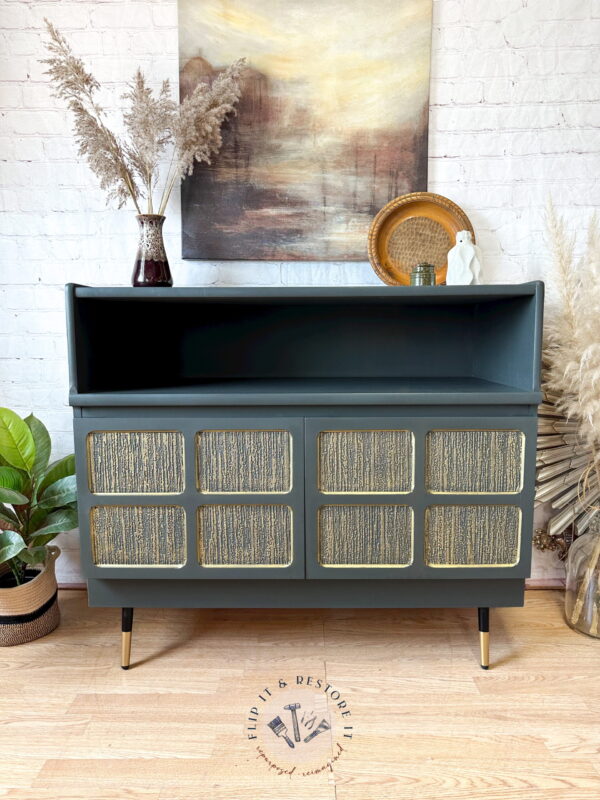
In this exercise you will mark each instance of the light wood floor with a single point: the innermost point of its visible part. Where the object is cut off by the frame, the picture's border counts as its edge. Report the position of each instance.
(428, 722)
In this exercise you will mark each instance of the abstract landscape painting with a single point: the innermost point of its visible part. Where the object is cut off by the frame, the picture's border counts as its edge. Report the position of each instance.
(331, 125)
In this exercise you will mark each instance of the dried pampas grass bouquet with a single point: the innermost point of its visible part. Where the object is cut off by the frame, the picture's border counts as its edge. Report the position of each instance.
(569, 441)
(162, 141)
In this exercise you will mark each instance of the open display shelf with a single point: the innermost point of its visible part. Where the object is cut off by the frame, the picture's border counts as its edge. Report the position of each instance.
(397, 344)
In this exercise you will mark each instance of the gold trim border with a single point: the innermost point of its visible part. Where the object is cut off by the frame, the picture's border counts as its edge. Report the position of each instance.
(103, 565)
(476, 430)
(133, 494)
(472, 566)
(366, 566)
(243, 430)
(368, 430)
(199, 542)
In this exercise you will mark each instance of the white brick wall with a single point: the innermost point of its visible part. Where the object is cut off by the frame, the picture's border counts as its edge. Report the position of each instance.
(514, 116)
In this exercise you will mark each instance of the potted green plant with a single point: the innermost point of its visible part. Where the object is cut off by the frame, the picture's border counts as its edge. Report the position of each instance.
(37, 502)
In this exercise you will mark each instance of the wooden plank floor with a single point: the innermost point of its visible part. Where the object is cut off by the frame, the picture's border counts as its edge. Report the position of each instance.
(428, 722)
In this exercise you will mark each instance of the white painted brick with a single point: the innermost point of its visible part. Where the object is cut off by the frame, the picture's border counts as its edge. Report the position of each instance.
(446, 64)
(164, 15)
(447, 12)
(34, 248)
(334, 274)
(17, 298)
(490, 10)
(23, 173)
(27, 148)
(539, 61)
(243, 274)
(35, 69)
(563, 10)
(477, 64)
(585, 33)
(20, 43)
(9, 248)
(154, 41)
(116, 68)
(8, 200)
(65, 16)
(60, 148)
(581, 115)
(449, 92)
(579, 60)
(85, 42)
(32, 322)
(122, 15)
(15, 16)
(447, 169)
(116, 41)
(13, 69)
(457, 37)
(11, 96)
(29, 121)
(567, 141)
(490, 196)
(499, 90)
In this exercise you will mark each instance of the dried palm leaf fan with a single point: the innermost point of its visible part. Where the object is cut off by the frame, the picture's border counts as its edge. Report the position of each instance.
(564, 478)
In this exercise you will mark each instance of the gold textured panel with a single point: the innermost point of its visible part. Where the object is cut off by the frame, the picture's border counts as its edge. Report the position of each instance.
(475, 461)
(365, 462)
(138, 536)
(136, 462)
(245, 535)
(472, 536)
(366, 535)
(244, 461)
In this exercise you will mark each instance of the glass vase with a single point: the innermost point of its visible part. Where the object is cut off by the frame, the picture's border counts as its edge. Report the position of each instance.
(151, 267)
(582, 596)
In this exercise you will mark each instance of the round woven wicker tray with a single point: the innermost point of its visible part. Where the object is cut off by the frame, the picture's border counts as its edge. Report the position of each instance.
(411, 229)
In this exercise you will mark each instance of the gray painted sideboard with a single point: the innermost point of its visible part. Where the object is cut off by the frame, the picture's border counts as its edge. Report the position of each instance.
(311, 447)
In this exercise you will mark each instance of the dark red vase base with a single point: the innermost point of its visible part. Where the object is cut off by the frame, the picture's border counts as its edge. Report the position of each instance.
(151, 273)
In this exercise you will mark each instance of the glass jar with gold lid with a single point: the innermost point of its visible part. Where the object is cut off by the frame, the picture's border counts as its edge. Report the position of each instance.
(582, 596)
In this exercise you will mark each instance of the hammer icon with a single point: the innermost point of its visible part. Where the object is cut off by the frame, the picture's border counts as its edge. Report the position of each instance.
(292, 707)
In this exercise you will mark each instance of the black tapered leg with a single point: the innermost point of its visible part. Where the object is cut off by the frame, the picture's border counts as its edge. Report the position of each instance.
(484, 636)
(126, 626)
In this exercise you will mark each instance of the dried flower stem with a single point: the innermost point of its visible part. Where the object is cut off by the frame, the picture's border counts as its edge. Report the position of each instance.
(129, 168)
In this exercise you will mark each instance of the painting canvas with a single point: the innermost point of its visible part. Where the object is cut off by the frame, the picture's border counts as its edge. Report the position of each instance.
(331, 125)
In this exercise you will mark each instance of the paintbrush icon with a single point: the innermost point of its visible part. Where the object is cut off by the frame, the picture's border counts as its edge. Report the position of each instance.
(279, 728)
(321, 728)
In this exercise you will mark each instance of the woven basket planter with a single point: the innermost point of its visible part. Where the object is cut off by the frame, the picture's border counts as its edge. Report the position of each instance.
(30, 611)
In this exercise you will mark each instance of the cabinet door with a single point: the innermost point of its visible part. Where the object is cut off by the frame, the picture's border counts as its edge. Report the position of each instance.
(360, 482)
(479, 487)
(191, 498)
(409, 497)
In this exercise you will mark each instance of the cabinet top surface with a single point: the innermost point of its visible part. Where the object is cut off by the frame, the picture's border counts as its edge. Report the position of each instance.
(400, 293)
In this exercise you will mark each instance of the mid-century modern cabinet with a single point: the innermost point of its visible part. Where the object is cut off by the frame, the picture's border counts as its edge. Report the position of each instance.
(312, 447)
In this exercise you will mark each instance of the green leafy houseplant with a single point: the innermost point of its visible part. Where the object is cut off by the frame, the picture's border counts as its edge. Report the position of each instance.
(37, 499)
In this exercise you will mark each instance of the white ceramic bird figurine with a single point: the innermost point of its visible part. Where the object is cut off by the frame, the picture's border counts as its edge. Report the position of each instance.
(464, 261)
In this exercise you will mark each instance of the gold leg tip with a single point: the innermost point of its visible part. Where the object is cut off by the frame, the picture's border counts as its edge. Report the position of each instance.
(484, 651)
(125, 649)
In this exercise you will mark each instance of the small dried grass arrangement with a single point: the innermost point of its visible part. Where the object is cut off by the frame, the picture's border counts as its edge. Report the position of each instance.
(572, 347)
(132, 167)
(572, 385)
